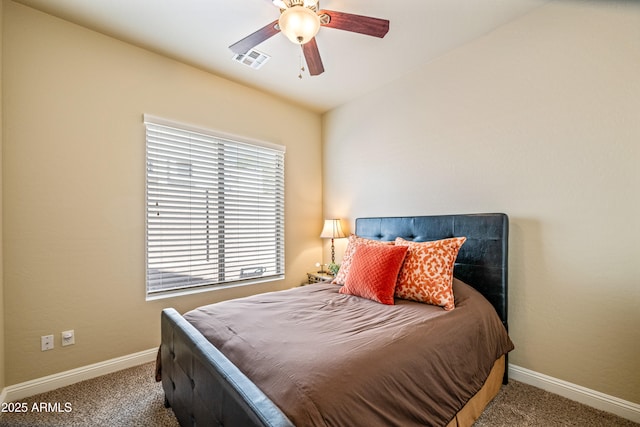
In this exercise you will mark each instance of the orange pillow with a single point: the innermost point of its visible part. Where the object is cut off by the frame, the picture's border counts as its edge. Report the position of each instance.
(374, 272)
(352, 245)
(427, 273)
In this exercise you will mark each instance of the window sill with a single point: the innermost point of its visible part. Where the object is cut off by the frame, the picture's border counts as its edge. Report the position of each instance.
(184, 292)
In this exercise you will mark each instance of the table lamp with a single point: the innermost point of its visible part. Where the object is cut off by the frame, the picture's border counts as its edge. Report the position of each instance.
(332, 230)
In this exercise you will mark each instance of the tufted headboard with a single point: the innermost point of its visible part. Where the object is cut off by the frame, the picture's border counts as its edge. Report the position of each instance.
(482, 260)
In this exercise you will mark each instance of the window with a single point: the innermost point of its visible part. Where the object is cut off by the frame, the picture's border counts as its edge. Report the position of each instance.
(215, 209)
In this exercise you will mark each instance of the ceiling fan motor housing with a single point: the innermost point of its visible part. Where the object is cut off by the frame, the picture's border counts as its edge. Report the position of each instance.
(285, 4)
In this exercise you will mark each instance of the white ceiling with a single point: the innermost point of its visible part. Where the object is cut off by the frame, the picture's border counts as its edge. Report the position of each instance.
(198, 32)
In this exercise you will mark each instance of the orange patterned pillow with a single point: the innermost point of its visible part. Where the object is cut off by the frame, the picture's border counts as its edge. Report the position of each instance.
(352, 245)
(374, 272)
(427, 273)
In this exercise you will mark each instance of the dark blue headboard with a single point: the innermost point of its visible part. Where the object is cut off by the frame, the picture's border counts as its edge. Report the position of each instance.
(482, 260)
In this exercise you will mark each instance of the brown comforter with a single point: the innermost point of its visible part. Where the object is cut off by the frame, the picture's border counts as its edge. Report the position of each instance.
(328, 359)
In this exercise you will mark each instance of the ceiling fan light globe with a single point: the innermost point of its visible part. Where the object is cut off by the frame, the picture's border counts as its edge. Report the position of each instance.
(299, 24)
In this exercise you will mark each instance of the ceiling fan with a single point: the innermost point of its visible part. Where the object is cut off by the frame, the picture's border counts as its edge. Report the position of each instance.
(300, 21)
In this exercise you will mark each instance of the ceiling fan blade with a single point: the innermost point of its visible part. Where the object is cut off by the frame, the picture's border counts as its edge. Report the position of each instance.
(255, 38)
(312, 56)
(356, 23)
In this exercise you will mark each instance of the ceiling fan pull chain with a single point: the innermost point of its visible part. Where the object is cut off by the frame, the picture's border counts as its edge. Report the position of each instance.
(301, 68)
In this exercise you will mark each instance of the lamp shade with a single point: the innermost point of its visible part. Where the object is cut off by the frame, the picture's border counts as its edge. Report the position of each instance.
(332, 229)
(299, 24)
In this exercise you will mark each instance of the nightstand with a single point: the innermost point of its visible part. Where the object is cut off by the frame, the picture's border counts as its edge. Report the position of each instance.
(315, 277)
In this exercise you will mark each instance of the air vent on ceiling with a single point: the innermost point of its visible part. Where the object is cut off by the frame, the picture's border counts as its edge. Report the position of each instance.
(253, 58)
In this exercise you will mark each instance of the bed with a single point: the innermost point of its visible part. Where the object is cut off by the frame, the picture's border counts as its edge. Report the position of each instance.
(223, 364)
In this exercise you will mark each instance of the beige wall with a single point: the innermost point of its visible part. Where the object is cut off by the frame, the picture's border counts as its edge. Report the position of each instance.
(73, 186)
(539, 119)
(2, 382)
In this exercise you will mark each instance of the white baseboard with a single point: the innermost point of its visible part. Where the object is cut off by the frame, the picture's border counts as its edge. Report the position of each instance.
(595, 399)
(51, 382)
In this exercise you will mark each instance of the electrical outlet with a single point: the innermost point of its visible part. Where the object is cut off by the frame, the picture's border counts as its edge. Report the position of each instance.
(68, 337)
(46, 342)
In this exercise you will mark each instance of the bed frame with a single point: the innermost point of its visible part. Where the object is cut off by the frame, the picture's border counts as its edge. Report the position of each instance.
(204, 388)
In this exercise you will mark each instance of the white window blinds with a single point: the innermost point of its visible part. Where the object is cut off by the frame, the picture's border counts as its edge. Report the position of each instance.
(215, 209)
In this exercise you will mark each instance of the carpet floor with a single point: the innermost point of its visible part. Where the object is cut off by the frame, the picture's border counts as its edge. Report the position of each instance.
(132, 398)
